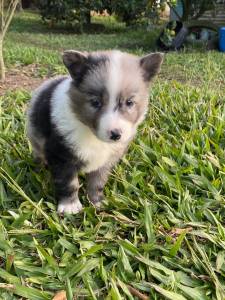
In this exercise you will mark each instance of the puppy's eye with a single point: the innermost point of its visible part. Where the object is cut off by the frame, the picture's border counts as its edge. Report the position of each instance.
(96, 103)
(129, 102)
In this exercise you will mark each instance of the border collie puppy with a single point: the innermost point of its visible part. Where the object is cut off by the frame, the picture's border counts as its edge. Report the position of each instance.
(85, 121)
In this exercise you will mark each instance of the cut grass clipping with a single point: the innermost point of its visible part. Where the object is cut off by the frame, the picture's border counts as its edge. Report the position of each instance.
(160, 233)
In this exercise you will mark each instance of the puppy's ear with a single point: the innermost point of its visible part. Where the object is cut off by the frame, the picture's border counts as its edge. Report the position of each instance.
(151, 64)
(76, 63)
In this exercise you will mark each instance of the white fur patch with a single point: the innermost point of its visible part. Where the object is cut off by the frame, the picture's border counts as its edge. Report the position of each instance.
(111, 121)
(86, 145)
(73, 207)
(31, 132)
(37, 92)
(114, 76)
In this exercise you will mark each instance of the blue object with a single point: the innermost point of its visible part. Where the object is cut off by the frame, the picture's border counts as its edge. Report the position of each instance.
(176, 11)
(222, 39)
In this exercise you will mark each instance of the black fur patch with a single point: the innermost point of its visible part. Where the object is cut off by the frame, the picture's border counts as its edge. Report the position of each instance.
(64, 165)
(62, 162)
(78, 72)
(40, 116)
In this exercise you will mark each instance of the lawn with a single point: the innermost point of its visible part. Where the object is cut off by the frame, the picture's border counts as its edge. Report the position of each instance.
(161, 231)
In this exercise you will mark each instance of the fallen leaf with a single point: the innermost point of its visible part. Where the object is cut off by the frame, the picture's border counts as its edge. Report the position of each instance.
(60, 296)
(178, 231)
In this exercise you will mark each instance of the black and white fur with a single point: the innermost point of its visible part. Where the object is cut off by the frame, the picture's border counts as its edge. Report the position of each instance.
(85, 121)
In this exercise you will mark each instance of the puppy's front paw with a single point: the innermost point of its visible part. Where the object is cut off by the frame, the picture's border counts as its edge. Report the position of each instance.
(69, 207)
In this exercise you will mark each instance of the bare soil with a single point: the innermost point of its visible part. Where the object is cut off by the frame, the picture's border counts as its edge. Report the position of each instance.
(22, 77)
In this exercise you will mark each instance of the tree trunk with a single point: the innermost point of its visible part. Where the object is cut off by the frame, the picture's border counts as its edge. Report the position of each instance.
(2, 65)
(27, 3)
(3, 27)
(87, 17)
(186, 10)
(19, 6)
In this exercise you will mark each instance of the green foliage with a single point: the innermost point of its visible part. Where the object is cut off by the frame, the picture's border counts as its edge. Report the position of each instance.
(161, 230)
(129, 11)
(68, 12)
(133, 10)
(72, 12)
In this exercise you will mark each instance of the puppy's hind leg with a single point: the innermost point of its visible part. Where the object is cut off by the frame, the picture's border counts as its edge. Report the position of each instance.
(38, 153)
(38, 144)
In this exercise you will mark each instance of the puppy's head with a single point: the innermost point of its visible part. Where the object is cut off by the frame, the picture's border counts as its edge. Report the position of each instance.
(109, 91)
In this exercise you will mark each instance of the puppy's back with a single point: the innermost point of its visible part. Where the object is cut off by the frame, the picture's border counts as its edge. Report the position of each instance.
(39, 109)
(38, 125)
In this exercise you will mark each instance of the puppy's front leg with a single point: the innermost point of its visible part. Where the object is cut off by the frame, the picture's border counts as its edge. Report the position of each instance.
(95, 184)
(64, 168)
(67, 195)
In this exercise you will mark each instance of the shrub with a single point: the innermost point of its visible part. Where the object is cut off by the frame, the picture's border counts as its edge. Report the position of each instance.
(68, 12)
(129, 11)
(132, 10)
(71, 12)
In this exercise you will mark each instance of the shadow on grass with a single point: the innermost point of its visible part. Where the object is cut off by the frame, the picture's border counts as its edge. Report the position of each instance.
(104, 33)
(31, 22)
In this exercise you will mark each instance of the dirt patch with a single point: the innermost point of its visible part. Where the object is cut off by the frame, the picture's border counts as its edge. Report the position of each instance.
(22, 77)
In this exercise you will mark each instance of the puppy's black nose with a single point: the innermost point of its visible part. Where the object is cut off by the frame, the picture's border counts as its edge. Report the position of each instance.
(115, 135)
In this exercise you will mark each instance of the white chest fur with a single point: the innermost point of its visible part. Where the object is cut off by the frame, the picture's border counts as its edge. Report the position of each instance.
(86, 145)
(90, 149)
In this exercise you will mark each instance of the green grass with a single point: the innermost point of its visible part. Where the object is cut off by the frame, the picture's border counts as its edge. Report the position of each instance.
(162, 227)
